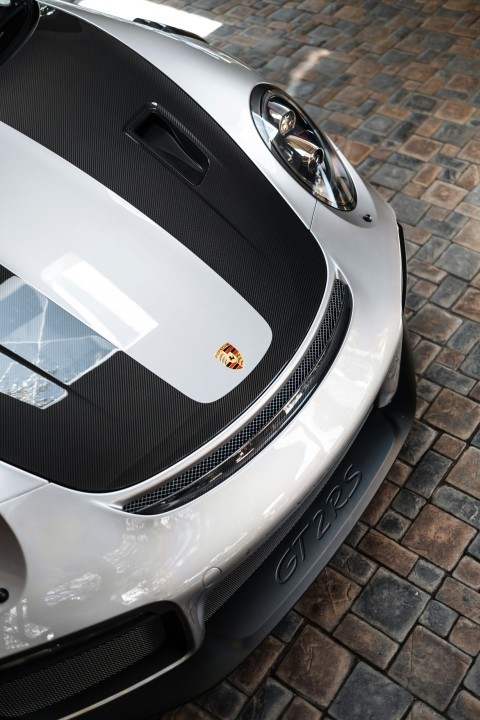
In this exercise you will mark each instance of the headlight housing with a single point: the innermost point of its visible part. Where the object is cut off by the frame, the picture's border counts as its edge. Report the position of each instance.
(305, 151)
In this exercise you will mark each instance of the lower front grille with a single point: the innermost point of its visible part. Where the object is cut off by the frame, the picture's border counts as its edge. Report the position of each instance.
(65, 678)
(243, 446)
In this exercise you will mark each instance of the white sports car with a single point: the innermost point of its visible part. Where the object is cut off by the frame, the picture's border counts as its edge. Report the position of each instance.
(204, 375)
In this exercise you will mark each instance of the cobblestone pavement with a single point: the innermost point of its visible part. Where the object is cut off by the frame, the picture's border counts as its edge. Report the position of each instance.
(391, 629)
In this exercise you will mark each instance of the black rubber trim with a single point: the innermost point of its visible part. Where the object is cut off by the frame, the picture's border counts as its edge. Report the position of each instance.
(74, 89)
(245, 619)
(403, 253)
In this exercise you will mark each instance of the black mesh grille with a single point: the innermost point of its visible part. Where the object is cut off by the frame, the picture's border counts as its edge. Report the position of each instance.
(209, 472)
(41, 684)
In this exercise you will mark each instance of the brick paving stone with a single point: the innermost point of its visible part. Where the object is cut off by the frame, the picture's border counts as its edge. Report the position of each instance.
(380, 502)
(364, 640)
(253, 670)
(421, 148)
(393, 525)
(448, 292)
(408, 503)
(288, 626)
(420, 711)
(301, 710)
(424, 354)
(469, 236)
(471, 366)
(268, 703)
(390, 604)
(427, 389)
(187, 712)
(426, 271)
(408, 209)
(388, 552)
(466, 636)
(474, 547)
(460, 261)
(465, 338)
(426, 575)
(450, 358)
(430, 668)
(431, 469)
(450, 447)
(443, 194)
(470, 210)
(459, 504)
(421, 437)
(353, 565)
(328, 599)
(469, 180)
(434, 323)
(461, 598)
(399, 473)
(472, 681)
(453, 110)
(315, 666)
(424, 288)
(438, 618)
(428, 173)
(438, 537)
(455, 414)
(469, 304)
(356, 534)
(468, 572)
(223, 700)
(368, 694)
(471, 151)
(392, 176)
(464, 707)
(432, 249)
(454, 133)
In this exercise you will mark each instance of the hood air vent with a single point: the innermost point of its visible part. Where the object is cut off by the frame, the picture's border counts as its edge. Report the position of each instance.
(170, 144)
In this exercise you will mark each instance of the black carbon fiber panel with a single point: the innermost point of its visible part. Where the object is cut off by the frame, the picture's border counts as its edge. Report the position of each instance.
(243, 446)
(74, 90)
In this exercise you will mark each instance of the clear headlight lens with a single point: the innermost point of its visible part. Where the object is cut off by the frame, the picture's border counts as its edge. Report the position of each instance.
(303, 148)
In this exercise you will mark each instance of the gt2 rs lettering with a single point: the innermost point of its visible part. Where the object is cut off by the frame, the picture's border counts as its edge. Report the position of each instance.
(320, 523)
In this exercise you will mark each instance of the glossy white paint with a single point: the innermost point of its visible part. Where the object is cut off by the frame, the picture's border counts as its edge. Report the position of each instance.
(226, 95)
(14, 482)
(150, 296)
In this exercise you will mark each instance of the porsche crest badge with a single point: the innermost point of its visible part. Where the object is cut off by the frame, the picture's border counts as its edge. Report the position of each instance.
(230, 357)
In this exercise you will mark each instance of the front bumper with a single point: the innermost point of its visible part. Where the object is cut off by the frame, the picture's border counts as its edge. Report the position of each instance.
(266, 585)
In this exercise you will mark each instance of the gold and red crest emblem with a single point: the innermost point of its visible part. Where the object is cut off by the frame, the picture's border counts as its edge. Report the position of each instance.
(230, 357)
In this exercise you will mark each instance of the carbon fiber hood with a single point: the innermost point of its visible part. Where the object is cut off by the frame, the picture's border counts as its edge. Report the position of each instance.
(78, 92)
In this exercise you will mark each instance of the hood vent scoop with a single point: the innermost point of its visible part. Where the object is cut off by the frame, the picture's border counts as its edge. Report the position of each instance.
(170, 144)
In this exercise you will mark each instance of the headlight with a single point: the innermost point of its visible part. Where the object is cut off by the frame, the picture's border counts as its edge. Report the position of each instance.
(305, 151)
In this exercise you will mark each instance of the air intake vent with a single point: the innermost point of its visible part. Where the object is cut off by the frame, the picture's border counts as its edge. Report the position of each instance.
(170, 144)
(61, 680)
